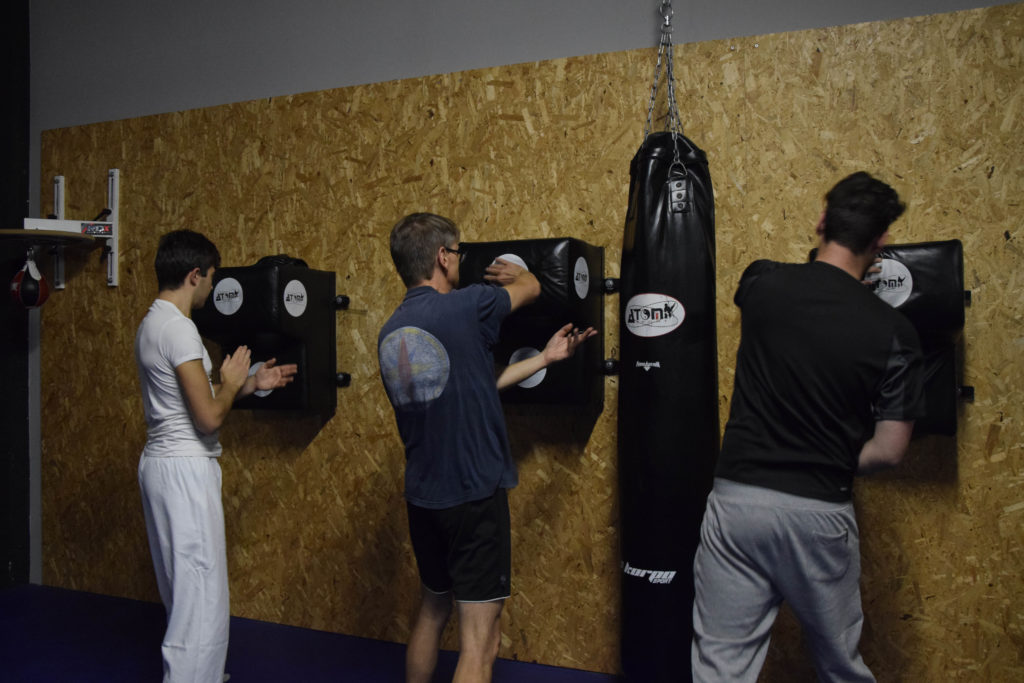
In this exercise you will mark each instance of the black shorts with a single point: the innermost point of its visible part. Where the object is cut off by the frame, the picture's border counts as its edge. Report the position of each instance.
(466, 549)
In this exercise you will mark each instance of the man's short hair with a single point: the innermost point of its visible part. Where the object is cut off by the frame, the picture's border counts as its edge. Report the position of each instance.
(178, 253)
(414, 243)
(858, 210)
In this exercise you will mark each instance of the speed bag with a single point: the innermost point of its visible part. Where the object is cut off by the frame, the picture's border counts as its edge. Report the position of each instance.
(668, 428)
(29, 287)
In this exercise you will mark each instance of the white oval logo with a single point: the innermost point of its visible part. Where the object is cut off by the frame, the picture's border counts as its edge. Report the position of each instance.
(581, 278)
(652, 315)
(227, 296)
(894, 284)
(537, 377)
(295, 298)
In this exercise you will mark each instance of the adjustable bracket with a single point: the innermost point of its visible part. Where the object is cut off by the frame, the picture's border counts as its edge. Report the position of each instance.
(103, 229)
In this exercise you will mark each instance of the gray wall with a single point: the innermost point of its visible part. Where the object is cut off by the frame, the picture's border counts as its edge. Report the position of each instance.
(103, 60)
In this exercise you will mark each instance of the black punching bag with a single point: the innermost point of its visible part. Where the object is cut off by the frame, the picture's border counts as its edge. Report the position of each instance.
(668, 400)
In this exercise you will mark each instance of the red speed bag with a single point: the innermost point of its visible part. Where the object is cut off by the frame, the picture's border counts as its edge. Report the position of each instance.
(28, 286)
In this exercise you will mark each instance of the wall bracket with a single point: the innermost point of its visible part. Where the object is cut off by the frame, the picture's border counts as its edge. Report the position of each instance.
(105, 230)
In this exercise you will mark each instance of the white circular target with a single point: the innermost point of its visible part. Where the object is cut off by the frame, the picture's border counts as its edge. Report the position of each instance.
(894, 284)
(227, 296)
(252, 371)
(295, 298)
(581, 278)
(522, 354)
(512, 258)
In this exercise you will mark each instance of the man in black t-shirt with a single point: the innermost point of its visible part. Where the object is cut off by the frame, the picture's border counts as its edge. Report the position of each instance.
(827, 386)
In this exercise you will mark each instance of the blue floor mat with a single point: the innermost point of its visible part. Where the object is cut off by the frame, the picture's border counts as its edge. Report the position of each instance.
(55, 634)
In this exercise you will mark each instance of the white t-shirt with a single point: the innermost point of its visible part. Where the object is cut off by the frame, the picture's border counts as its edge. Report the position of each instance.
(165, 340)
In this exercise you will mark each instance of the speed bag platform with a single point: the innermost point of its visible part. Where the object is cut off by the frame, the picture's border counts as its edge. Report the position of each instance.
(280, 309)
(570, 272)
(925, 282)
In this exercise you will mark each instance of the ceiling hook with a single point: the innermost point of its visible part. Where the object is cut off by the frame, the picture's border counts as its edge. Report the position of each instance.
(665, 11)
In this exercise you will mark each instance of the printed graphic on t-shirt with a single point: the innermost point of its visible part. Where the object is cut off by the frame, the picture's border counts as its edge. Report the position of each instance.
(414, 365)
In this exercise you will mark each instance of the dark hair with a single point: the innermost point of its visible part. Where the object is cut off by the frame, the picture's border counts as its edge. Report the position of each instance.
(178, 253)
(858, 210)
(414, 243)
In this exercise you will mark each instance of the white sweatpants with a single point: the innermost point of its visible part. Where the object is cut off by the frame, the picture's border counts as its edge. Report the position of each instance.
(181, 500)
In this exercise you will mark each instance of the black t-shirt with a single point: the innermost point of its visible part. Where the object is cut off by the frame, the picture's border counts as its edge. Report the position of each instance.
(821, 359)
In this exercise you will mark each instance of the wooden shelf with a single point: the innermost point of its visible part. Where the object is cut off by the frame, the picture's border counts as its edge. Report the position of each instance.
(48, 238)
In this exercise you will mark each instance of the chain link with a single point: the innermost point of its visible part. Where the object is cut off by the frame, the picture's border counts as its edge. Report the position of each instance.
(674, 120)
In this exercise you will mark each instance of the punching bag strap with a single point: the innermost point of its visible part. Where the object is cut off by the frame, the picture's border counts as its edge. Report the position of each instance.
(674, 122)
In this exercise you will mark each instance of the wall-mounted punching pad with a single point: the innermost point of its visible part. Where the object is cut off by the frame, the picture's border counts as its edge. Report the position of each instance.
(280, 309)
(571, 275)
(925, 282)
(668, 400)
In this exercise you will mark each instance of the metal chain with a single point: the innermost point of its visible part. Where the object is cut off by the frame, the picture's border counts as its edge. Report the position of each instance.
(674, 120)
(654, 90)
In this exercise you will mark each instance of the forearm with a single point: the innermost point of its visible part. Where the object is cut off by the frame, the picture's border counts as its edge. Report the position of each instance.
(517, 372)
(211, 415)
(247, 389)
(208, 403)
(524, 290)
(886, 447)
(873, 458)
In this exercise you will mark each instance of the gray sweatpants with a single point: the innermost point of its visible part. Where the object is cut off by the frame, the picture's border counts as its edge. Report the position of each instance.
(759, 547)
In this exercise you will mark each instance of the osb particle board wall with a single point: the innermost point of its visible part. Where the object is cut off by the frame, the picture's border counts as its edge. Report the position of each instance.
(315, 520)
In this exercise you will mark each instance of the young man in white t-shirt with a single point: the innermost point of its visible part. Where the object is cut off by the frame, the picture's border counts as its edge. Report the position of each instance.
(179, 475)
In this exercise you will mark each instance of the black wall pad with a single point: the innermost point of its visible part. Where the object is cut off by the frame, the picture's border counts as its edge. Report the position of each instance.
(925, 282)
(571, 275)
(285, 310)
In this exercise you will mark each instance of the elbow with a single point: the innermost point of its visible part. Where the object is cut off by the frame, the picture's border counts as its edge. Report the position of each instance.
(206, 428)
(893, 459)
(207, 424)
(890, 442)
